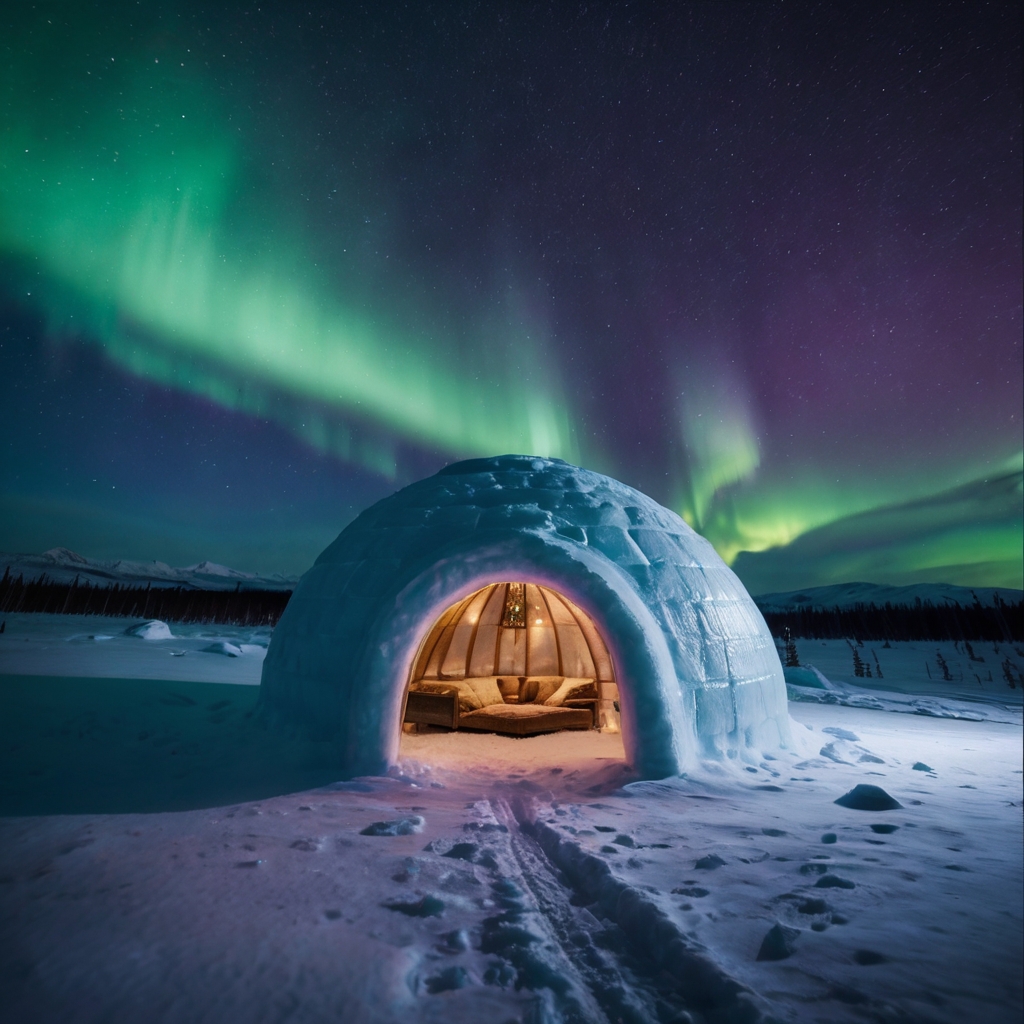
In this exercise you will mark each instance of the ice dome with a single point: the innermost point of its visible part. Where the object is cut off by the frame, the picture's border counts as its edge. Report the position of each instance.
(696, 669)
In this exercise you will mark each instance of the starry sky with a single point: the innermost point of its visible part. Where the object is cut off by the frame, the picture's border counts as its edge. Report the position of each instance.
(260, 267)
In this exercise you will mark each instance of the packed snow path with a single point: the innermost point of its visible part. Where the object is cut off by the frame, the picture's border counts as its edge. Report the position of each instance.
(529, 880)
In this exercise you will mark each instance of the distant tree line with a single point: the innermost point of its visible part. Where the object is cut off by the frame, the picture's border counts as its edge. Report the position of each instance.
(997, 622)
(177, 604)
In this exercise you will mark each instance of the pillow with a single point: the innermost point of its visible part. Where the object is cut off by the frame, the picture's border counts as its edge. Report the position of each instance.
(468, 700)
(485, 688)
(537, 689)
(572, 689)
(509, 686)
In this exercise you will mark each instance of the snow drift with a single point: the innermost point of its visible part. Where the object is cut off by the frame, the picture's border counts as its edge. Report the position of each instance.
(697, 669)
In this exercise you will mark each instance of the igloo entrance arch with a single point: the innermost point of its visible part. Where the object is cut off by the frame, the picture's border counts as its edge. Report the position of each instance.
(696, 667)
(513, 658)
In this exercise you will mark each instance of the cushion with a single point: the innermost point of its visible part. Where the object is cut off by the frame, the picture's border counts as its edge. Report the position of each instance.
(572, 689)
(537, 689)
(509, 686)
(485, 688)
(468, 700)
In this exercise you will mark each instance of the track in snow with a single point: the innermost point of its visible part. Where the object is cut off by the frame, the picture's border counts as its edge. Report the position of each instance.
(588, 962)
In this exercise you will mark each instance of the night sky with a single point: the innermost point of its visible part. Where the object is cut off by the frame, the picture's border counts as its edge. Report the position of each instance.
(259, 267)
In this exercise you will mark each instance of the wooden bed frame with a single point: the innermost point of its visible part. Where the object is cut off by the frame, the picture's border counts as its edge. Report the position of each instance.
(432, 709)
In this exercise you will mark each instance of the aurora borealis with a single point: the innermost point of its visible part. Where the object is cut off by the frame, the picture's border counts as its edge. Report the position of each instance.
(260, 267)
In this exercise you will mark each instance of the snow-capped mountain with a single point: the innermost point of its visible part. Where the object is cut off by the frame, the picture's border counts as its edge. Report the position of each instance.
(63, 566)
(846, 595)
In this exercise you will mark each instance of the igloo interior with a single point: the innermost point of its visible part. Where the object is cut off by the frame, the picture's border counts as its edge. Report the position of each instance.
(514, 658)
(696, 670)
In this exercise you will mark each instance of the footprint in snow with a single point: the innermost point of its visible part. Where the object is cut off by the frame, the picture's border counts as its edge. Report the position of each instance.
(710, 862)
(834, 882)
(814, 905)
(841, 734)
(428, 906)
(399, 827)
(462, 851)
(448, 980)
(868, 957)
(693, 891)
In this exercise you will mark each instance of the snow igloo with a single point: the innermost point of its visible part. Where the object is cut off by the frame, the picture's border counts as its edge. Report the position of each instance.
(524, 569)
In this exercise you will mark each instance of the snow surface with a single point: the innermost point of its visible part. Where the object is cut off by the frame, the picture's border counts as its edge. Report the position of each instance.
(912, 678)
(101, 646)
(174, 861)
(696, 667)
(64, 566)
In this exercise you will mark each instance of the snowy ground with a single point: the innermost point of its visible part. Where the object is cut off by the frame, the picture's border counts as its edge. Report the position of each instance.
(976, 682)
(490, 878)
(98, 646)
(975, 671)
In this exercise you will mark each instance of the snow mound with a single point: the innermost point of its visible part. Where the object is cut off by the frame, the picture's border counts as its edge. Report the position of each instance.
(698, 672)
(223, 647)
(154, 629)
(807, 676)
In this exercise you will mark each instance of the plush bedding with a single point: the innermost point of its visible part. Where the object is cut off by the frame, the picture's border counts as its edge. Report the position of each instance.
(545, 703)
(526, 719)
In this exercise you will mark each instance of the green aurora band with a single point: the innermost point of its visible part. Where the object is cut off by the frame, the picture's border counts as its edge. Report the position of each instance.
(126, 202)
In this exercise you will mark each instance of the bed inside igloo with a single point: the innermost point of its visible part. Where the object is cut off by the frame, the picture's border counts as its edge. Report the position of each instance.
(513, 658)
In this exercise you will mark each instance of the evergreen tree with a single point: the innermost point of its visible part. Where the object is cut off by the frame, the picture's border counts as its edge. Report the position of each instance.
(792, 658)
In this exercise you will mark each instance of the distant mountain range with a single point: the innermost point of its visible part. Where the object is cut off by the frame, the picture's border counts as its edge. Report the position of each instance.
(63, 566)
(846, 595)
